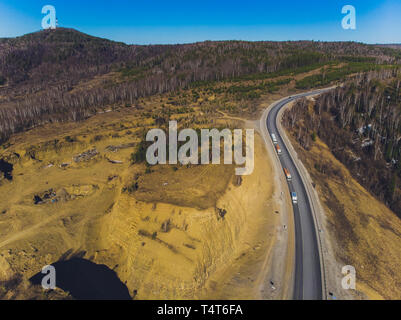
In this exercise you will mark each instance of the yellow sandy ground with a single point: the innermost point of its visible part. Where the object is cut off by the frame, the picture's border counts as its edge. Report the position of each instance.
(95, 218)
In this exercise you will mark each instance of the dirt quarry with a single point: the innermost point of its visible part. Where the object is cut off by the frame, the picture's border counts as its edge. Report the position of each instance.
(69, 197)
(168, 251)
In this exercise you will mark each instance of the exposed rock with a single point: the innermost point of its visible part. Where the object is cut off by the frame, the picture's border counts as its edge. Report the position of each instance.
(121, 146)
(114, 161)
(166, 226)
(86, 156)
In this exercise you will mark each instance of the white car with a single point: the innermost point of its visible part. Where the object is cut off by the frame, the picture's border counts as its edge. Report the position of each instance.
(294, 197)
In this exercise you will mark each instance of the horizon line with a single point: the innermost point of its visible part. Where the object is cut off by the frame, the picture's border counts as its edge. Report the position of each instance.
(205, 40)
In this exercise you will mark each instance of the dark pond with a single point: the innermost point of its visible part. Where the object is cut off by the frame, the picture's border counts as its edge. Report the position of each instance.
(86, 280)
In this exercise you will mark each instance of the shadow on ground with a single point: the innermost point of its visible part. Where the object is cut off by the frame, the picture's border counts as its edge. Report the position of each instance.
(6, 168)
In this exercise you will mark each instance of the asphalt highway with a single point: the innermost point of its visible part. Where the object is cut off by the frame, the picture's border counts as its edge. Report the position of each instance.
(308, 278)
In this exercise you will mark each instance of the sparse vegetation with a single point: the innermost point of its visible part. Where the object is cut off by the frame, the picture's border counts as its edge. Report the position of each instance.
(139, 155)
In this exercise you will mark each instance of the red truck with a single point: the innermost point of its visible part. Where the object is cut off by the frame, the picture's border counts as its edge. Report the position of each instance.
(278, 149)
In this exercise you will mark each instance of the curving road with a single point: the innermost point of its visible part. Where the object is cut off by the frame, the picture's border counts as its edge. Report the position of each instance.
(308, 275)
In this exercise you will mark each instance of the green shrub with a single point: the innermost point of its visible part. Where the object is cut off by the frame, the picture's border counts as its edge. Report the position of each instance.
(139, 155)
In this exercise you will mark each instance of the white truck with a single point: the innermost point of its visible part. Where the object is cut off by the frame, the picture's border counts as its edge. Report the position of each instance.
(274, 138)
(294, 197)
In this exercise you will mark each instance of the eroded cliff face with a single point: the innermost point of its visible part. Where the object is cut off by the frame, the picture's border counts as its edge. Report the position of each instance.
(165, 251)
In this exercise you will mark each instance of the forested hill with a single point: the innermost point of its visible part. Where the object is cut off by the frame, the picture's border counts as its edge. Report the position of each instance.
(361, 124)
(40, 72)
(66, 54)
(392, 46)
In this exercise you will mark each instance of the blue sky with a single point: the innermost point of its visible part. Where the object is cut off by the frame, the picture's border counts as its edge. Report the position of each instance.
(177, 21)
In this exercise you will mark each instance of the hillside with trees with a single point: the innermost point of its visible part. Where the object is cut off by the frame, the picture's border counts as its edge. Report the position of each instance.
(64, 75)
(360, 123)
